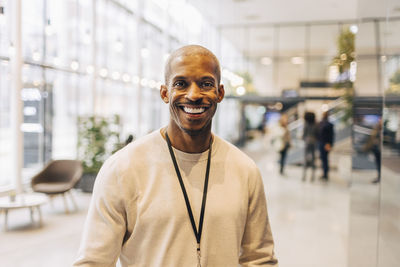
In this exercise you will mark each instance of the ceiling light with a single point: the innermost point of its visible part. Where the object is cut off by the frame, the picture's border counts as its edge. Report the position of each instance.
(143, 82)
(324, 107)
(266, 61)
(126, 78)
(297, 60)
(103, 72)
(240, 90)
(354, 28)
(152, 84)
(74, 65)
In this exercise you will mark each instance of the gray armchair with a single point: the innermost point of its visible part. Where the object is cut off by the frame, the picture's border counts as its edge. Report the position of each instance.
(57, 178)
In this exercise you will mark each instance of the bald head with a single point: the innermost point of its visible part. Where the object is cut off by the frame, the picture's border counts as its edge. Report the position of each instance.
(191, 50)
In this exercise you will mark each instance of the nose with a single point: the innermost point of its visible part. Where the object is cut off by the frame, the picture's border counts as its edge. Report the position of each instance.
(193, 92)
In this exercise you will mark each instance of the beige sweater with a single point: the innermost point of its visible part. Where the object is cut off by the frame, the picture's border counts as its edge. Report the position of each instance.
(138, 212)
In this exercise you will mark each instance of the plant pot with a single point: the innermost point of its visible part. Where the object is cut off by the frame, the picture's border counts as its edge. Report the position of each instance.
(86, 183)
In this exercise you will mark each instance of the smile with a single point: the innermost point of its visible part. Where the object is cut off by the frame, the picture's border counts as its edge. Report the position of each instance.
(194, 110)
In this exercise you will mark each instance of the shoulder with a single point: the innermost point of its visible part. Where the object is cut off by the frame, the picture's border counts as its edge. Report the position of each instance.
(232, 155)
(135, 153)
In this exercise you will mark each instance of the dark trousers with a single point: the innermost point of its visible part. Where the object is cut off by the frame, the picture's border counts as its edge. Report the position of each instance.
(377, 156)
(323, 154)
(283, 159)
(309, 160)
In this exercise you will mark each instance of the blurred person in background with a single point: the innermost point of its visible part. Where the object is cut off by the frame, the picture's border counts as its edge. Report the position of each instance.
(281, 141)
(326, 139)
(310, 138)
(373, 145)
(180, 196)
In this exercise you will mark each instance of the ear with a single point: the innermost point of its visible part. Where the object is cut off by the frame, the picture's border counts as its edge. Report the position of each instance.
(164, 93)
(221, 92)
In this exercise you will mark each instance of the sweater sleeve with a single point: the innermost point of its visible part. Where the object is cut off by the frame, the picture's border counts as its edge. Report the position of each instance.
(257, 242)
(105, 224)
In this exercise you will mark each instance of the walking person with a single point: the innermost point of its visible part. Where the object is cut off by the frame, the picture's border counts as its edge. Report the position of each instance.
(373, 145)
(282, 141)
(326, 139)
(310, 138)
(181, 195)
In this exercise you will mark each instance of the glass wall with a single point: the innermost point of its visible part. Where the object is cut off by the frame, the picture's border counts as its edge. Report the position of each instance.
(91, 57)
(389, 204)
(7, 48)
(374, 232)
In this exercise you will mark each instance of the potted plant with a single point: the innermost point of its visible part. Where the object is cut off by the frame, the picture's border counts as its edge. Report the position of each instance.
(343, 61)
(394, 87)
(98, 138)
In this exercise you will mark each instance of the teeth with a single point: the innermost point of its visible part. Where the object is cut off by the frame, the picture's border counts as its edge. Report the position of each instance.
(193, 110)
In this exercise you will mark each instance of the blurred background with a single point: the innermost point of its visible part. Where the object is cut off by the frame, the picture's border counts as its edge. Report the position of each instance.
(80, 78)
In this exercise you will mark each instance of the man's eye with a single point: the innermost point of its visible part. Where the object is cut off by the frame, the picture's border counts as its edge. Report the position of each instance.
(208, 84)
(179, 84)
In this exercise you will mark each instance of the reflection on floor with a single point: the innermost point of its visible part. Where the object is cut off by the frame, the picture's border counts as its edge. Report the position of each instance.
(309, 222)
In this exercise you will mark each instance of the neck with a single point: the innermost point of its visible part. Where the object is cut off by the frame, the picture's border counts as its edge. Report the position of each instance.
(186, 142)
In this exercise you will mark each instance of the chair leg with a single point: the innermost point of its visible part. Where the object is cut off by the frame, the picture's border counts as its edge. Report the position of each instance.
(51, 201)
(65, 203)
(73, 200)
(5, 219)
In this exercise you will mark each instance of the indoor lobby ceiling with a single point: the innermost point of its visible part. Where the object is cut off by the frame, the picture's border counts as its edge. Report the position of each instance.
(249, 12)
(248, 23)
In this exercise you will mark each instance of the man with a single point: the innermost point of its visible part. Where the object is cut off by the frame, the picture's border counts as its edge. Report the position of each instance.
(180, 196)
(326, 137)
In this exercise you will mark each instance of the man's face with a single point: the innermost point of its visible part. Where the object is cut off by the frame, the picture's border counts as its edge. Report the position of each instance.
(192, 92)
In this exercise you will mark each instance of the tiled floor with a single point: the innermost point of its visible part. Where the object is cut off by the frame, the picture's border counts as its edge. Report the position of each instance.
(309, 223)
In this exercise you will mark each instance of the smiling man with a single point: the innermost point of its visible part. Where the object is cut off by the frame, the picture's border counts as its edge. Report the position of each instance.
(180, 196)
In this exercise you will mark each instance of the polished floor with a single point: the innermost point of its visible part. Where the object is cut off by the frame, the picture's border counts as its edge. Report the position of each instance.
(310, 222)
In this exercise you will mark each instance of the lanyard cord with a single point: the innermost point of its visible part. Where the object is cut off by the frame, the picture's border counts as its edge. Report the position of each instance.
(203, 204)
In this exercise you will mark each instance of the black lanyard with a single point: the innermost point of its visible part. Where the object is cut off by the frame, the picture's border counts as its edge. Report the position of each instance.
(203, 204)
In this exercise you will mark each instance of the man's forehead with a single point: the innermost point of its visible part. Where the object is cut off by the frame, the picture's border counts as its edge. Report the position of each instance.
(200, 65)
(193, 58)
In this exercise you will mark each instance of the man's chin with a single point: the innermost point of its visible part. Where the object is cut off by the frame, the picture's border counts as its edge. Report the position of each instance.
(195, 131)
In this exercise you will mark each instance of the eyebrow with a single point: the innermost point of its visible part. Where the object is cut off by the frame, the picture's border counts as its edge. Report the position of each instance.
(208, 77)
(179, 78)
